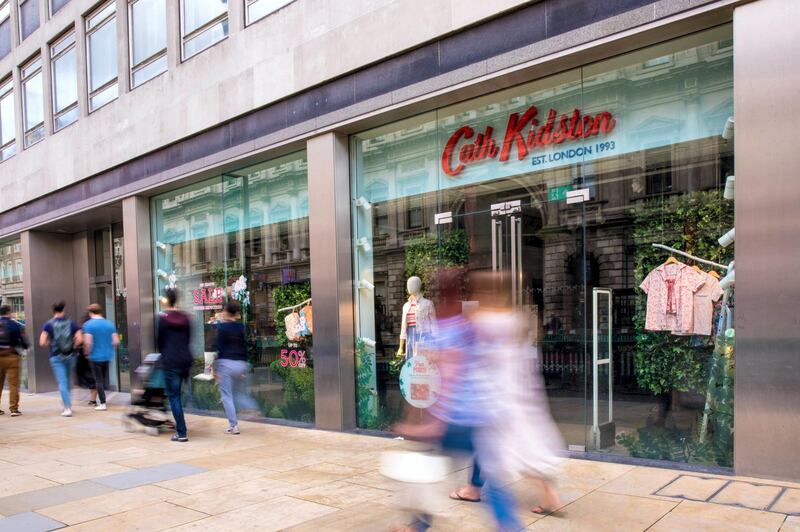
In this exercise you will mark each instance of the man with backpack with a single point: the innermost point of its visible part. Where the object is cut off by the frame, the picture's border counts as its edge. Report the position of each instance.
(100, 340)
(62, 336)
(12, 341)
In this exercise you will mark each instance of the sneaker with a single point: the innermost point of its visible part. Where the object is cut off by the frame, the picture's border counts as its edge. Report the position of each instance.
(2, 412)
(101, 406)
(232, 430)
(92, 403)
(181, 439)
(15, 413)
(67, 412)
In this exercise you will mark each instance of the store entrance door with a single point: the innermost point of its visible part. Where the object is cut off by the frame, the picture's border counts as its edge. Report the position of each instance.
(536, 247)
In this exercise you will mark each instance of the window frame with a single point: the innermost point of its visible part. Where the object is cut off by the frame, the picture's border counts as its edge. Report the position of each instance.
(200, 29)
(91, 29)
(50, 11)
(7, 91)
(20, 21)
(135, 68)
(26, 76)
(247, 3)
(54, 57)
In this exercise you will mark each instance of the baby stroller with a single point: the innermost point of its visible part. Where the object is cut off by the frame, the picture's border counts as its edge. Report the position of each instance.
(148, 410)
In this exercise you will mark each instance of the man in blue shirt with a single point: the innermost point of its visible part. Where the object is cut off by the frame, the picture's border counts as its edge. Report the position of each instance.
(62, 335)
(12, 341)
(100, 340)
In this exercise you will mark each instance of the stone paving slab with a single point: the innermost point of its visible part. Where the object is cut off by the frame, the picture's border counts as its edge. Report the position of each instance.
(29, 522)
(43, 498)
(88, 473)
(148, 475)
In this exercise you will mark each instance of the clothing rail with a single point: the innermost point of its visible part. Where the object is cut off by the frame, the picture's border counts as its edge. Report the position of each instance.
(679, 252)
(307, 301)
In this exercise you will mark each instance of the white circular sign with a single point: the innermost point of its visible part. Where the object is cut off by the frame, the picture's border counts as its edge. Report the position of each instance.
(420, 382)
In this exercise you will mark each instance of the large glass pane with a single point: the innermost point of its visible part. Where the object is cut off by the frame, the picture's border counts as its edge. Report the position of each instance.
(244, 237)
(65, 81)
(34, 102)
(5, 37)
(635, 144)
(148, 28)
(212, 35)
(103, 55)
(196, 13)
(7, 125)
(103, 97)
(261, 8)
(56, 5)
(150, 71)
(28, 18)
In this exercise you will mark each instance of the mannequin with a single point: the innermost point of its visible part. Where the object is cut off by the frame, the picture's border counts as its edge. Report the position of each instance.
(418, 319)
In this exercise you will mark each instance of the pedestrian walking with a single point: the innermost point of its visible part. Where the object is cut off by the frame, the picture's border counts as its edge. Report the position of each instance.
(100, 340)
(83, 370)
(232, 366)
(12, 343)
(174, 334)
(62, 335)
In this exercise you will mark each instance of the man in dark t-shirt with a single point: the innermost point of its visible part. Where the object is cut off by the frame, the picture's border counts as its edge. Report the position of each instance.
(62, 335)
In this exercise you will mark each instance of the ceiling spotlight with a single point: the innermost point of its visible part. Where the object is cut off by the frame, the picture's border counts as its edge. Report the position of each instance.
(727, 131)
(160, 245)
(161, 273)
(369, 342)
(363, 283)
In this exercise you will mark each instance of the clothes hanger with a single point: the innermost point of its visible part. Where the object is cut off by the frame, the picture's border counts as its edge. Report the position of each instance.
(714, 274)
(671, 260)
(697, 268)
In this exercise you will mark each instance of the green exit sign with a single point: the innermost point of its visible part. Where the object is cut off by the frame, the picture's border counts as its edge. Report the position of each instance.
(558, 193)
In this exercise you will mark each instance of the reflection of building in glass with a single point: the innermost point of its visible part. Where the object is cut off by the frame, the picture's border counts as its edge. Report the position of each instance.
(11, 277)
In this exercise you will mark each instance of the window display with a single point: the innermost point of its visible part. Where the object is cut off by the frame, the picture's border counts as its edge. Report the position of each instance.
(573, 188)
(11, 291)
(244, 237)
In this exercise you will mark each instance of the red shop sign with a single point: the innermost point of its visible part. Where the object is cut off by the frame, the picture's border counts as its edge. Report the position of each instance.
(208, 297)
(523, 134)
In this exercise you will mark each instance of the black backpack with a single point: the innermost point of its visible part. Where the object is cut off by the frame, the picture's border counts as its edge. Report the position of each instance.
(62, 337)
(5, 334)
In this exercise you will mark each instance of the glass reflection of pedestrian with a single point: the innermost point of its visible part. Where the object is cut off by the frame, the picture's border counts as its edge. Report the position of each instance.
(232, 366)
(174, 335)
(83, 371)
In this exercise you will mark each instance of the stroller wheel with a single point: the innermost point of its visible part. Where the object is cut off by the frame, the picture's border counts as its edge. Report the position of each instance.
(151, 431)
(128, 425)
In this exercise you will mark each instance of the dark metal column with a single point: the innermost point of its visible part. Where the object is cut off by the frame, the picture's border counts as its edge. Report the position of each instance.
(331, 281)
(48, 277)
(137, 249)
(767, 393)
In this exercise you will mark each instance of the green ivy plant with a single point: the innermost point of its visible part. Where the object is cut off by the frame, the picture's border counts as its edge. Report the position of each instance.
(298, 392)
(424, 254)
(691, 223)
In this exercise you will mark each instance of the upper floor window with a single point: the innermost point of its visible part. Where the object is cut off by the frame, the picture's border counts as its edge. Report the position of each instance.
(8, 146)
(28, 18)
(65, 81)
(101, 52)
(203, 23)
(147, 22)
(56, 5)
(5, 27)
(32, 101)
(257, 9)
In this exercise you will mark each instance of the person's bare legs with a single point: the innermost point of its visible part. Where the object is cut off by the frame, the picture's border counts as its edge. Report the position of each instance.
(550, 500)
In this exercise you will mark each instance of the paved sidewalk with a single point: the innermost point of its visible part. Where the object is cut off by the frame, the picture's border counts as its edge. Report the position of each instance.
(85, 473)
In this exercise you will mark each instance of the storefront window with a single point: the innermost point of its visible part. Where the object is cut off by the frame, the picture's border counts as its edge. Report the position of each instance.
(244, 236)
(563, 186)
(11, 290)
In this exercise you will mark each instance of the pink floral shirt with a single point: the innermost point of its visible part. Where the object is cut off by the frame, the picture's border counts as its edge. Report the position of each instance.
(670, 290)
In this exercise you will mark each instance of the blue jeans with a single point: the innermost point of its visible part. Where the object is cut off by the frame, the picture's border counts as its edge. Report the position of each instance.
(63, 366)
(232, 375)
(173, 379)
(501, 500)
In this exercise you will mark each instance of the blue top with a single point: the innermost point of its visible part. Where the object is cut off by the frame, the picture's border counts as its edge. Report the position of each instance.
(231, 340)
(15, 337)
(49, 329)
(102, 332)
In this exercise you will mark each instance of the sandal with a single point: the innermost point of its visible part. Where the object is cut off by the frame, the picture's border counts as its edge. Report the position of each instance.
(456, 496)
